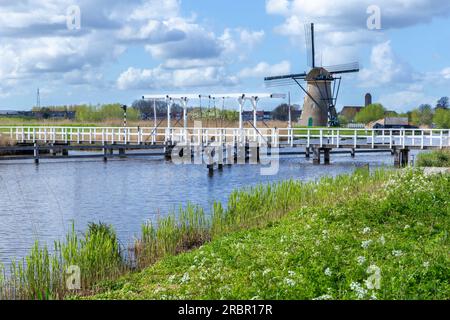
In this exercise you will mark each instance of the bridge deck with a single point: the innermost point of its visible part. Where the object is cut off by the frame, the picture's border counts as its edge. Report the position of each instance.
(144, 138)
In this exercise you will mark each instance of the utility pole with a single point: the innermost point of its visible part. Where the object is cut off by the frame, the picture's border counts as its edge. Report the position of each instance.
(290, 115)
(38, 100)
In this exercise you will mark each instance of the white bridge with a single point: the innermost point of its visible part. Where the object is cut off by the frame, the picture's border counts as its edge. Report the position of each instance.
(273, 137)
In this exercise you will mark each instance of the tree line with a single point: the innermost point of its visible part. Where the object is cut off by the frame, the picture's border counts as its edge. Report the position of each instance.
(424, 115)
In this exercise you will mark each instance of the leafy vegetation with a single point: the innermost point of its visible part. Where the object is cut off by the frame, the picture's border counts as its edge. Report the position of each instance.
(390, 242)
(289, 240)
(370, 113)
(97, 252)
(442, 118)
(440, 158)
(104, 113)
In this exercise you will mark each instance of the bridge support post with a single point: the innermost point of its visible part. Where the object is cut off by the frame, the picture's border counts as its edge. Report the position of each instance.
(308, 153)
(316, 156)
(353, 153)
(105, 153)
(326, 155)
(168, 152)
(210, 168)
(36, 153)
(401, 158)
(122, 153)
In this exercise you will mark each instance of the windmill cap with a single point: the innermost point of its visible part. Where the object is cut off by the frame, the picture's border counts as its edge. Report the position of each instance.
(318, 74)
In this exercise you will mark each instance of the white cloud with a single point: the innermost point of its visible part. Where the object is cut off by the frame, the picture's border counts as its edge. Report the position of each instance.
(35, 44)
(446, 73)
(159, 78)
(263, 69)
(277, 6)
(386, 68)
(343, 23)
(406, 100)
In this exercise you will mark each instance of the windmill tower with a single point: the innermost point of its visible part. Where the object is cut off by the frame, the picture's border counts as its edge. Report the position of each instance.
(322, 86)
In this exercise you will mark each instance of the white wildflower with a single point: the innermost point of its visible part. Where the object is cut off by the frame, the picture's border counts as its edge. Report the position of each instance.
(289, 282)
(171, 278)
(382, 240)
(359, 290)
(328, 272)
(366, 244)
(366, 230)
(397, 253)
(426, 264)
(361, 260)
(185, 278)
(267, 271)
(291, 273)
(407, 226)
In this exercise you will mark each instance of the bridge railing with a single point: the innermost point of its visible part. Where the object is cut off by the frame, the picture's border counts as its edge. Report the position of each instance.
(307, 137)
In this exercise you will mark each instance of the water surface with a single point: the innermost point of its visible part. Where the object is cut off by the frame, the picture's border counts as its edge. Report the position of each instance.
(39, 202)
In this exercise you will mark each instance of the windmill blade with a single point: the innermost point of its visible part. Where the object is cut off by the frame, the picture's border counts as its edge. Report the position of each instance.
(280, 83)
(343, 68)
(299, 76)
(308, 45)
(286, 80)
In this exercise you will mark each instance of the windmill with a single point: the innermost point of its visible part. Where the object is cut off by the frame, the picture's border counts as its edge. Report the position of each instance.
(323, 85)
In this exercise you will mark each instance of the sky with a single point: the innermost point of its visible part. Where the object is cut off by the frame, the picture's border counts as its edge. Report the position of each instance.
(108, 51)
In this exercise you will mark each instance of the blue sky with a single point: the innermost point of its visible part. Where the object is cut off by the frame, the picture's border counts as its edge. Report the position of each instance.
(125, 49)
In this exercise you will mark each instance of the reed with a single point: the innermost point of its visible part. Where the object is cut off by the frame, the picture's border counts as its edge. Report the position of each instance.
(100, 257)
(439, 158)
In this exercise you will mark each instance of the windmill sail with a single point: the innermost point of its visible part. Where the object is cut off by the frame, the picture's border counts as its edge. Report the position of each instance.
(343, 68)
(309, 47)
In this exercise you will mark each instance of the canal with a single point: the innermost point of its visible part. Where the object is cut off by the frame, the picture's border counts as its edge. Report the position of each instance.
(40, 202)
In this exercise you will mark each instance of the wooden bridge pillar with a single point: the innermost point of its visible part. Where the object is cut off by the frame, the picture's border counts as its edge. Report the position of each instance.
(105, 153)
(326, 155)
(316, 156)
(308, 152)
(353, 153)
(401, 158)
(168, 152)
(36, 153)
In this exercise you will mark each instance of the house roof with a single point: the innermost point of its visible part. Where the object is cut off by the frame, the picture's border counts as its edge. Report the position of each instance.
(396, 121)
(350, 111)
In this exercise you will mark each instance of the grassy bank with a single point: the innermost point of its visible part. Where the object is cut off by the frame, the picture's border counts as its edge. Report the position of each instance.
(385, 242)
(439, 158)
(179, 232)
(284, 241)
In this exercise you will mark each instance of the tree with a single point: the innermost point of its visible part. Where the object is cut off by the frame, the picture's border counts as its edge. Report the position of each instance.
(371, 113)
(422, 116)
(281, 113)
(442, 118)
(443, 103)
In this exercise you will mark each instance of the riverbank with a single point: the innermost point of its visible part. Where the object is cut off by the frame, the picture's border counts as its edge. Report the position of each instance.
(265, 236)
(387, 240)
(437, 159)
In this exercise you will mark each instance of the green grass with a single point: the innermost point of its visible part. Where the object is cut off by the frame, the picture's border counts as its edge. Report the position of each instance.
(288, 240)
(324, 250)
(439, 158)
